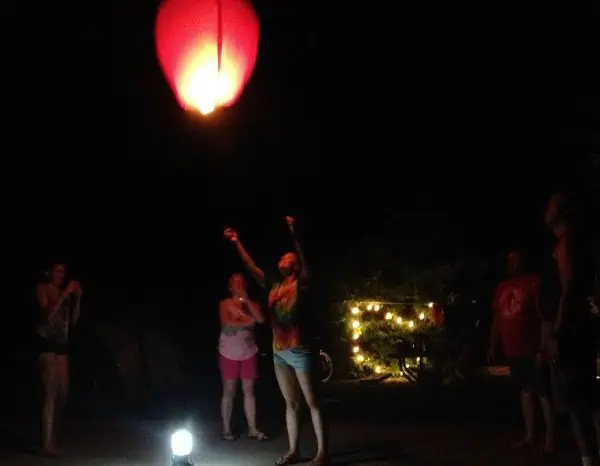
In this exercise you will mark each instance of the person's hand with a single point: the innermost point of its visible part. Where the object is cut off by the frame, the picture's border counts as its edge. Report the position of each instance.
(78, 291)
(290, 221)
(72, 287)
(236, 311)
(231, 235)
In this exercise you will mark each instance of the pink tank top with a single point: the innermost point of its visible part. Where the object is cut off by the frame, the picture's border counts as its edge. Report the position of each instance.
(237, 344)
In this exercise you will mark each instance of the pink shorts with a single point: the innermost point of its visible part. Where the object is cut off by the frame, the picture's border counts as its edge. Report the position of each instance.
(234, 370)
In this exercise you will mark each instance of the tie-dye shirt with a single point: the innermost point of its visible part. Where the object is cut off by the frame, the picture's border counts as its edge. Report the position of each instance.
(288, 309)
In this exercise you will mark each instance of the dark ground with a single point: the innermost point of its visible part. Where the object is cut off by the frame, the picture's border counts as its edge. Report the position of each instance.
(371, 425)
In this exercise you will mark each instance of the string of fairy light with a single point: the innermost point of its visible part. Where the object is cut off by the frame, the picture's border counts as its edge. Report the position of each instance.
(392, 318)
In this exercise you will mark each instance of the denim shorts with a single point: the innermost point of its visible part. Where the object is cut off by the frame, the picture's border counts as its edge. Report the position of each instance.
(300, 359)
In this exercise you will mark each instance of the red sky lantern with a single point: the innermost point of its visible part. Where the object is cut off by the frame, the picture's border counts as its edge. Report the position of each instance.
(207, 50)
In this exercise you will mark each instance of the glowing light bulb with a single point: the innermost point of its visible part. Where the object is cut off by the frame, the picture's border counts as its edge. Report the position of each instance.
(378, 369)
(411, 324)
(356, 349)
(418, 359)
(377, 307)
(360, 358)
(355, 324)
(388, 316)
(356, 336)
(370, 307)
(355, 310)
(399, 320)
(182, 443)
(422, 316)
(430, 305)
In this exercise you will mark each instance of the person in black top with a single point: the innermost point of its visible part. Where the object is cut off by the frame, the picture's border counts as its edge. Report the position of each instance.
(573, 349)
(58, 312)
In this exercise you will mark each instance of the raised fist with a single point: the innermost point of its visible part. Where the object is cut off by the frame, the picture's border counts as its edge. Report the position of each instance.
(72, 286)
(231, 235)
(78, 291)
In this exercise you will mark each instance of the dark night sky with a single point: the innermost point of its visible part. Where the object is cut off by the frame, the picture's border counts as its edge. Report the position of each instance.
(424, 132)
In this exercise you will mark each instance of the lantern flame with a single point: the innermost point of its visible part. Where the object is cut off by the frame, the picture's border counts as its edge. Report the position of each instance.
(203, 86)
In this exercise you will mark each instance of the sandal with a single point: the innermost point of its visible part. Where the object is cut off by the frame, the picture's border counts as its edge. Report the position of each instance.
(287, 459)
(260, 436)
(228, 436)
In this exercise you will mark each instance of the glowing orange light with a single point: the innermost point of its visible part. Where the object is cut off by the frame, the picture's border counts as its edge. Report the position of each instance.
(207, 50)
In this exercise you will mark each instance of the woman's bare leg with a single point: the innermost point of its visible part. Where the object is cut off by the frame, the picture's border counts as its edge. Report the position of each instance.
(306, 381)
(286, 378)
(229, 388)
(250, 406)
(47, 364)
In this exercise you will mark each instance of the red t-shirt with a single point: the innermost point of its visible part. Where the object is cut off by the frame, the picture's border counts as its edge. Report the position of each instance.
(518, 316)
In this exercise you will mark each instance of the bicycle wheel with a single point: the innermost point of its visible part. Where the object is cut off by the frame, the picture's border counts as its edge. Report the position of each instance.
(325, 366)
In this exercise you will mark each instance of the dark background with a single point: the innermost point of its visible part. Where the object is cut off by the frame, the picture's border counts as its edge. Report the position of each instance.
(424, 133)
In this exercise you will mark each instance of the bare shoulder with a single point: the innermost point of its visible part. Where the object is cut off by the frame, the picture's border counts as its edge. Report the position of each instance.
(224, 302)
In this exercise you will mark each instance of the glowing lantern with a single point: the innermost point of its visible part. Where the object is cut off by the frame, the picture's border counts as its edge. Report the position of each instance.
(207, 50)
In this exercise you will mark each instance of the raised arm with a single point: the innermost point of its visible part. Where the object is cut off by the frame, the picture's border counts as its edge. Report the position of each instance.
(254, 270)
(564, 259)
(301, 257)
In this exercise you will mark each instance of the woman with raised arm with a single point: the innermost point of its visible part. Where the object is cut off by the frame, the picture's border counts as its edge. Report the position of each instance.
(238, 354)
(293, 356)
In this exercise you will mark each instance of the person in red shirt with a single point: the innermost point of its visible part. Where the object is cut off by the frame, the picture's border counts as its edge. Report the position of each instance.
(517, 326)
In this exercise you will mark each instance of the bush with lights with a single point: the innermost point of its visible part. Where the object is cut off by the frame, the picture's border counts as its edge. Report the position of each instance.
(402, 302)
(374, 329)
